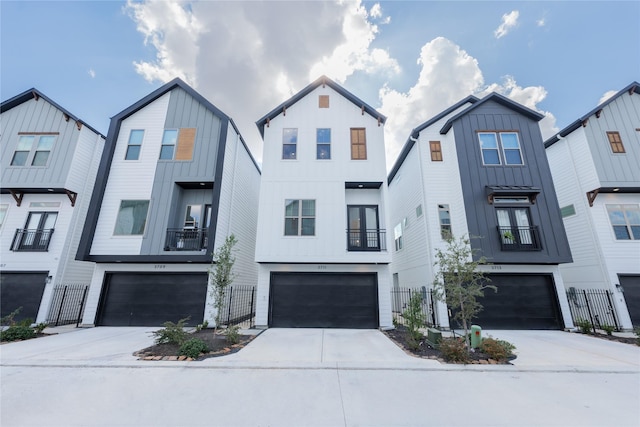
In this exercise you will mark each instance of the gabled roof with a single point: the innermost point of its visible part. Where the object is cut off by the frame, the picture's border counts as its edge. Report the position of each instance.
(632, 88)
(502, 100)
(416, 131)
(175, 83)
(324, 80)
(34, 93)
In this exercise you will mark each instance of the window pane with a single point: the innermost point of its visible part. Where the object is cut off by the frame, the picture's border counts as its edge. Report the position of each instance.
(132, 217)
(616, 217)
(133, 152)
(291, 226)
(633, 215)
(324, 152)
(290, 136)
(621, 231)
(46, 142)
(488, 140)
(289, 151)
(25, 143)
(3, 212)
(512, 157)
(509, 140)
(323, 135)
(490, 157)
(170, 137)
(308, 208)
(166, 152)
(291, 208)
(135, 137)
(40, 158)
(308, 226)
(635, 229)
(19, 158)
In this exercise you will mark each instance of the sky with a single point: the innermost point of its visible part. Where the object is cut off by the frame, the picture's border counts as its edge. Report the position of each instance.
(408, 59)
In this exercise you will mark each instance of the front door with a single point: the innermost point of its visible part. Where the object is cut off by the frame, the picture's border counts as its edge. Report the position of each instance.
(364, 233)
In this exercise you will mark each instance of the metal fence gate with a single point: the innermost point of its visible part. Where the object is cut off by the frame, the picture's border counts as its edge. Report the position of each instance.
(67, 304)
(240, 306)
(593, 305)
(400, 301)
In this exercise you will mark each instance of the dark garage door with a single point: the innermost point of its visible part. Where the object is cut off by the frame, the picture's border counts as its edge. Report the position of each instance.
(631, 286)
(21, 290)
(523, 301)
(134, 299)
(323, 300)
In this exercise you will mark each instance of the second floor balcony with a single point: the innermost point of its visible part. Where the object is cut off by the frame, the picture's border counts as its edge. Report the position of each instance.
(184, 239)
(373, 240)
(519, 238)
(34, 240)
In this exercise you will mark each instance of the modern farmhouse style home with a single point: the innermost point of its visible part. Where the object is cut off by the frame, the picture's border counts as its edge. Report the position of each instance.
(49, 163)
(479, 169)
(595, 164)
(322, 244)
(175, 180)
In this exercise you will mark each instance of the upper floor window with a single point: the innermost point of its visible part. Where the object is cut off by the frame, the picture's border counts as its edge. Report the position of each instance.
(289, 143)
(300, 218)
(567, 211)
(134, 144)
(33, 149)
(625, 220)
(397, 236)
(323, 101)
(323, 141)
(169, 139)
(500, 148)
(445, 221)
(36, 233)
(358, 144)
(516, 231)
(3, 212)
(132, 218)
(436, 151)
(418, 211)
(616, 142)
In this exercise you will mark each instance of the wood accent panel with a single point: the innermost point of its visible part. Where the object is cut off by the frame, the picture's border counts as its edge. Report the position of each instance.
(323, 101)
(358, 144)
(186, 140)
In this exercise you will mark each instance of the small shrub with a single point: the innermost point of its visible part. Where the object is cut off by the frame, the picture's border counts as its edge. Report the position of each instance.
(415, 316)
(233, 334)
(172, 333)
(203, 325)
(40, 327)
(25, 322)
(17, 332)
(608, 329)
(584, 326)
(192, 348)
(8, 320)
(454, 350)
(498, 350)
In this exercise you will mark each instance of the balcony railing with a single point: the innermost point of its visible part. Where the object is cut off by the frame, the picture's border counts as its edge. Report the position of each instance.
(367, 240)
(519, 238)
(31, 240)
(179, 239)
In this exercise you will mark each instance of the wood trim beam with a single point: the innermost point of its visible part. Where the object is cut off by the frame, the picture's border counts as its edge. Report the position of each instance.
(284, 111)
(584, 123)
(598, 113)
(591, 196)
(17, 196)
(72, 197)
(66, 117)
(35, 95)
(268, 121)
(79, 124)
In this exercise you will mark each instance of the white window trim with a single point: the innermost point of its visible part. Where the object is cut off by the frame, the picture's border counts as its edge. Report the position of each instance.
(500, 148)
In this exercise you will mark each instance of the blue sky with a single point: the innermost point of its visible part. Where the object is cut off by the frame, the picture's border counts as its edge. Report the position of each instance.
(408, 59)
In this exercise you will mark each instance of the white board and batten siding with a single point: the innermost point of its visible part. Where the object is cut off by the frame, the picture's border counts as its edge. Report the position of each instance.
(130, 179)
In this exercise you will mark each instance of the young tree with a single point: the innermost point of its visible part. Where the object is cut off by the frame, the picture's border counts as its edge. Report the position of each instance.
(458, 282)
(221, 272)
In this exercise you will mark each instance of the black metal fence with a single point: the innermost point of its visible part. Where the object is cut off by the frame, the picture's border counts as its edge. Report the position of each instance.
(240, 306)
(400, 302)
(593, 305)
(67, 304)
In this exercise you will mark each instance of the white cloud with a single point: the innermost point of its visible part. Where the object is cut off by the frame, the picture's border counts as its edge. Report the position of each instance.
(92, 73)
(376, 11)
(509, 21)
(541, 22)
(247, 58)
(448, 75)
(607, 95)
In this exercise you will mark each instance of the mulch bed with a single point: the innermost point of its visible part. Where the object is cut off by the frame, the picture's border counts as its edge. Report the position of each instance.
(400, 336)
(217, 343)
(626, 340)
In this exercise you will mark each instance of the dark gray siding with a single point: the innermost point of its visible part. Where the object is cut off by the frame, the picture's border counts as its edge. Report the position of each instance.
(481, 216)
(168, 198)
(37, 116)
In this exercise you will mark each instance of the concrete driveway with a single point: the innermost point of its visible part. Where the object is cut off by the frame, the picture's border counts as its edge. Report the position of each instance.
(316, 377)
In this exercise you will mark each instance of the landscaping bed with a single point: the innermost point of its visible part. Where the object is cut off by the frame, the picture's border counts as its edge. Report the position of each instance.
(217, 345)
(626, 340)
(400, 335)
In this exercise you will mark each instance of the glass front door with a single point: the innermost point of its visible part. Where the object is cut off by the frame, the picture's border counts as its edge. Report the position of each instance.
(363, 232)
